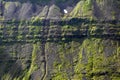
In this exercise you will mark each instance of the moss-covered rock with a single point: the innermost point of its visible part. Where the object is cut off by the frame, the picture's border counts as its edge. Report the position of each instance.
(86, 47)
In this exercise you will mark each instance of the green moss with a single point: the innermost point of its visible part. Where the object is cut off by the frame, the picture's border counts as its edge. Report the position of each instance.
(92, 60)
(33, 65)
(76, 10)
(115, 77)
(99, 78)
(6, 77)
(82, 9)
(87, 58)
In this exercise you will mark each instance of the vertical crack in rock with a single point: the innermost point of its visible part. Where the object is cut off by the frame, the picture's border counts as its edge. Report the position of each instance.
(45, 30)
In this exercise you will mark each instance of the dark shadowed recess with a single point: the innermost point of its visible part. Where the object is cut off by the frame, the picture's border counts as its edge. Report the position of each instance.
(67, 39)
(71, 22)
(61, 3)
(9, 65)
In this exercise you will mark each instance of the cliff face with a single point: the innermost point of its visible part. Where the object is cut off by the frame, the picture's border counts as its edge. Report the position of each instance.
(38, 41)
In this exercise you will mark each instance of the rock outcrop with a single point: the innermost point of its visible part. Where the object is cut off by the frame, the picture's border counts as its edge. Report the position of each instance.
(40, 42)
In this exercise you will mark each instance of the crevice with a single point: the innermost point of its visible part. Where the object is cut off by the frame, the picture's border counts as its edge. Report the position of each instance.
(45, 30)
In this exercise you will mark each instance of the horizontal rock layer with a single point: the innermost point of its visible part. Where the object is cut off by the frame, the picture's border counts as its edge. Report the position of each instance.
(38, 41)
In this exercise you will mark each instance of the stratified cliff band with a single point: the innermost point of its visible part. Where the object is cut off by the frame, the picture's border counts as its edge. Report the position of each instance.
(60, 40)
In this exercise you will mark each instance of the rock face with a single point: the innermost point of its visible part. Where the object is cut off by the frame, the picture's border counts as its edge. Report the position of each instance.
(85, 47)
(10, 10)
(25, 11)
(54, 12)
